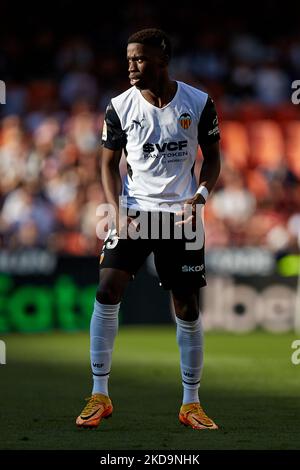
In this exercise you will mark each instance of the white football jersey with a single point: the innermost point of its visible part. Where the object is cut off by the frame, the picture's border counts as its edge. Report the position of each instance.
(160, 144)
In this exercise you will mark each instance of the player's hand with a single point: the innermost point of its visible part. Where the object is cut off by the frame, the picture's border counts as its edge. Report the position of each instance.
(189, 211)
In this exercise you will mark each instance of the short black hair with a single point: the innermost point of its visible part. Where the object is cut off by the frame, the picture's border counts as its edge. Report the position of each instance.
(153, 37)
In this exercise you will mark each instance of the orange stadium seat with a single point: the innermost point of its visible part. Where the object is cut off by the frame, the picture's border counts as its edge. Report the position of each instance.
(41, 93)
(257, 184)
(292, 132)
(235, 144)
(267, 144)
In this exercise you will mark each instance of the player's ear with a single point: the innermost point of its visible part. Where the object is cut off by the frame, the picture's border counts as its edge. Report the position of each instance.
(167, 59)
(164, 60)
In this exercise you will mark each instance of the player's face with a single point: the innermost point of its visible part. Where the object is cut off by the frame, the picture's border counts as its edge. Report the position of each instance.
(144, 65)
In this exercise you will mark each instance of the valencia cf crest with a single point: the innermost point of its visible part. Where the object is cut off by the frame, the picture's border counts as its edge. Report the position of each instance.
(185, 120)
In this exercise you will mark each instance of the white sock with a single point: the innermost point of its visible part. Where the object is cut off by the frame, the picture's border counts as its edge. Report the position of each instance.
(190, 342)
(103, 330)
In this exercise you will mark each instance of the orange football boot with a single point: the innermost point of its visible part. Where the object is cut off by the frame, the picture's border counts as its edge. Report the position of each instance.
(99, 406)
(193, 415)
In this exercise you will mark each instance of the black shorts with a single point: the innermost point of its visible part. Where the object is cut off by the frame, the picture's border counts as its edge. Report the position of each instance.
(176, 265)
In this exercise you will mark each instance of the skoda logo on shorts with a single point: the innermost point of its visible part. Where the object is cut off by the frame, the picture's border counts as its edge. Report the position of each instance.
(185, 120)
(192, 269)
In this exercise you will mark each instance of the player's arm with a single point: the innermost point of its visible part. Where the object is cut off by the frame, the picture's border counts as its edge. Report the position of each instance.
(208, 138)
(113, 141)
(111, 178)
(211, 166)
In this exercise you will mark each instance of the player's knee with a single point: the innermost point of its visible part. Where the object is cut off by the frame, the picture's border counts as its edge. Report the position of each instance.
(186, 311)
(107, 294)
(187, 314)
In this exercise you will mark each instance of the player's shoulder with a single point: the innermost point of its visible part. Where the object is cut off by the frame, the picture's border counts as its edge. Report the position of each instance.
(193, 91)
(123, 98)
(194, 97)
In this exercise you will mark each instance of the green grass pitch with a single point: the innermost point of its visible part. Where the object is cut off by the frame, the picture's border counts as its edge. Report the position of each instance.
(249, 386)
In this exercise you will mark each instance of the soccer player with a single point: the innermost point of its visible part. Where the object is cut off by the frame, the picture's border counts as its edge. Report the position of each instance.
(159, 123)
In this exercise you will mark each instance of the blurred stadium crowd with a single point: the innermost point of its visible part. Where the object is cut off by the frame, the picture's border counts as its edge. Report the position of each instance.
(59, 83)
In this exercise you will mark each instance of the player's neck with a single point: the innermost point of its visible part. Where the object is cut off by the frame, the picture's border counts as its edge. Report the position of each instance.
(161, 93)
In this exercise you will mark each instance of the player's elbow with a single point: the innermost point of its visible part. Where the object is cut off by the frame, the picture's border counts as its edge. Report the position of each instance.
(110, 160)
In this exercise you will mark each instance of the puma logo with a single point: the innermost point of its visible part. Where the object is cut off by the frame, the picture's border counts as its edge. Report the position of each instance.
(139, 123)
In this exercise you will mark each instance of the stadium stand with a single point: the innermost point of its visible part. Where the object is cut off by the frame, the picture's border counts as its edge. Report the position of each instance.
(58, 85)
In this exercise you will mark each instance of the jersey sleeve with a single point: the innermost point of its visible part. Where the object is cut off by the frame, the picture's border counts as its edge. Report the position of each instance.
(208, 128)
(113, 136)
